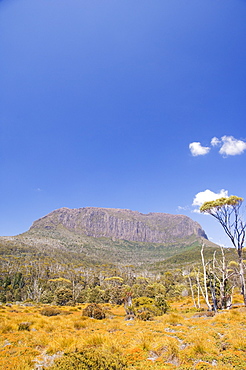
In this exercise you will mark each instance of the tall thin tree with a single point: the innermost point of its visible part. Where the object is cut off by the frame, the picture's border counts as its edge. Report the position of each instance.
(227, 212)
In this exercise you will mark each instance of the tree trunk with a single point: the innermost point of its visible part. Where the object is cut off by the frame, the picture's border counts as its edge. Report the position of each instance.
(241, 275)
(205, 281)
(192, 291)
(128, 304)
(198, 290)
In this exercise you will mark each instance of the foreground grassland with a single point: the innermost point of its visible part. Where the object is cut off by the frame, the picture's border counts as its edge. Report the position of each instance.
(181, 339)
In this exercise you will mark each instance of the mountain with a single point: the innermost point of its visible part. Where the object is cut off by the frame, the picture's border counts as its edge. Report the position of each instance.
(95, 236)
(122, 224)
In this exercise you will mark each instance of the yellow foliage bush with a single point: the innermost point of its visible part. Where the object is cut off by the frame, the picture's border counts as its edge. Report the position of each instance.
(90, 359)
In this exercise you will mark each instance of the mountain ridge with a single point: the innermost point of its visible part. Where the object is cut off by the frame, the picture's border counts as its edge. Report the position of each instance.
(121, 224)
(94, 236)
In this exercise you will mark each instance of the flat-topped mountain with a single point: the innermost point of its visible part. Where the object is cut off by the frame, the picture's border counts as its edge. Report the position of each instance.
(121, 224)
(98, 236)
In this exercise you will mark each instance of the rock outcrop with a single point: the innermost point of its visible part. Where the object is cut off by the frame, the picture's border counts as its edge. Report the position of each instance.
(122, 224)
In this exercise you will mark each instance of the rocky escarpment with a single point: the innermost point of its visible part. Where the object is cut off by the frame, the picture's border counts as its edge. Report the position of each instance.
(122, 224)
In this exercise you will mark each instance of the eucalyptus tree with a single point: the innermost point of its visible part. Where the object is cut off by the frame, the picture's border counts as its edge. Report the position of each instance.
(227, 212)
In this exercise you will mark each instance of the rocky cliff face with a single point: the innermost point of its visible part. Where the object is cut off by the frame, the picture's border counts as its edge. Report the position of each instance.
(122, 224)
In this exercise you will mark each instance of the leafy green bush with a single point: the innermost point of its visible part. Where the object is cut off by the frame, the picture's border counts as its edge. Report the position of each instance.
(63, 296)
(47, 297)
(161, 303)
(90, 359)
(142, 304)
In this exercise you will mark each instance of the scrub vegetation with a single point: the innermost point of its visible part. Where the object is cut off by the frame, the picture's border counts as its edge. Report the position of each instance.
(184, 338)
(64, 316)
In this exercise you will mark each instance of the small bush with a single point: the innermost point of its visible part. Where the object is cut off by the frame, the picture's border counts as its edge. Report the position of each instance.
(24, 326)
(161, 303)
(145, 315)
(90, 359)
(95, 311)
(50, 311)
(142, 304)
(63, 296)
(80, 325)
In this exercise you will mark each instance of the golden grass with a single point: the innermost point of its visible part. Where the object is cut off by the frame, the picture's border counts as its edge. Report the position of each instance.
(176, 340)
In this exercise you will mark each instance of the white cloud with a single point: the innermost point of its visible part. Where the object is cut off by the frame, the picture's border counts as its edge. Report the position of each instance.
(183, 208)
(206, 196)
(232, 146)
(196, 149)
(196, 210)
(215, 141)
(228, 146)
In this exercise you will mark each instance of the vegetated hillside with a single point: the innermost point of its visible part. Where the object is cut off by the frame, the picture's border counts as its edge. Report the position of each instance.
(57, 265)
(191, 256)
(66, 236)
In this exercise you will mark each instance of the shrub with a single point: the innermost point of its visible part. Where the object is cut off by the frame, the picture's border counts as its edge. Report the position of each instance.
(50, 311)
(161, 303)
(145, 315)
(24, 326)
(143, 304)
(47, 297)
(95, 311)
(63, 296)
(90, 359)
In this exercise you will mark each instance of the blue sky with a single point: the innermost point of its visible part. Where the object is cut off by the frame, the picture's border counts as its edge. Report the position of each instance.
(102, 102)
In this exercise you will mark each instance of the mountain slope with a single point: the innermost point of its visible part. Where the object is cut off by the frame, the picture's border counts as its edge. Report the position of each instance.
(96, 236)
(122, 224)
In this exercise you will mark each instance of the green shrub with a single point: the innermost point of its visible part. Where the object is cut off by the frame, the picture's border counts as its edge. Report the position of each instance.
(95, 311)
(47, 297)
(143, 301)
(161, 303)
(63, 296)
(142, 304)
(90, 359)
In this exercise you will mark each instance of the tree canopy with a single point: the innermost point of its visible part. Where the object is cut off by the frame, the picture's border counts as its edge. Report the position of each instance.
(227, 212)
(213, 206)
